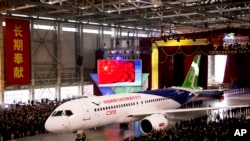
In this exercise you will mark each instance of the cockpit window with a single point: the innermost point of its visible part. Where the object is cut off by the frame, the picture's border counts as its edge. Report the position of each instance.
(68, 113)
(57, 113)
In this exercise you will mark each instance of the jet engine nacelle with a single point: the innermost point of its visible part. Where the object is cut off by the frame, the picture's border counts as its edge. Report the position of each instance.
(153, 122)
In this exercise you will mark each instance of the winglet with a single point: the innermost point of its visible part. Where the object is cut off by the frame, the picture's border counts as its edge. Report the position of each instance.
(191, 79)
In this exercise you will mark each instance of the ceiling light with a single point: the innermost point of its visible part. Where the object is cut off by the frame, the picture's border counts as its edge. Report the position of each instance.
(50, 2)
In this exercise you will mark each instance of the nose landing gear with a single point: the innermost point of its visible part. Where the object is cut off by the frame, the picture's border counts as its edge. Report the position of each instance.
(124, 126)
(80, 136)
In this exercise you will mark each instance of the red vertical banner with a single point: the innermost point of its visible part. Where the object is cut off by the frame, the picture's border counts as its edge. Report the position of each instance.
(17, 52)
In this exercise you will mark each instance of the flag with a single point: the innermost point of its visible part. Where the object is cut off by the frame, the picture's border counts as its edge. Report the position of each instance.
(114, 71)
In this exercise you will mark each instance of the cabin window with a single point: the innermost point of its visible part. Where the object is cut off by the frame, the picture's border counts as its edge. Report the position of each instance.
(57, 113)
(68, 112)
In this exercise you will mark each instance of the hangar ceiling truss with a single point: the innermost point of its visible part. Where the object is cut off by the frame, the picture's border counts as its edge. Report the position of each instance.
(187, 15)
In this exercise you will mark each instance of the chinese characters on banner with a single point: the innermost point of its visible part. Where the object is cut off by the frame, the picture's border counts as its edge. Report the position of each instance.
(230, 44)
(17, 52)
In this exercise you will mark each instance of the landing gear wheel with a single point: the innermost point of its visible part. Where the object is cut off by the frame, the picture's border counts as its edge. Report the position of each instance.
(83, 136)
(80, 136)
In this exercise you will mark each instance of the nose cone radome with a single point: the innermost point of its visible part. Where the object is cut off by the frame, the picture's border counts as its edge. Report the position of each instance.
(56, 125)
(49, 126)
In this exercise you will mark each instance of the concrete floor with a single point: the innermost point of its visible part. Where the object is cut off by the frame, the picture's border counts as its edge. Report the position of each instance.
(114, 133)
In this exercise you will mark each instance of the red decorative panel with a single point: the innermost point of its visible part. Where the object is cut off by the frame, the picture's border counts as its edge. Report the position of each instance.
(17, 52)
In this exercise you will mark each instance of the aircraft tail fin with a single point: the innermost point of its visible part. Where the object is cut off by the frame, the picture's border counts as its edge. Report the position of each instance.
(191, 79)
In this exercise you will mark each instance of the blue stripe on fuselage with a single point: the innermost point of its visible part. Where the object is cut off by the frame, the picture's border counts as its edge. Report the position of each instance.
(179, 95)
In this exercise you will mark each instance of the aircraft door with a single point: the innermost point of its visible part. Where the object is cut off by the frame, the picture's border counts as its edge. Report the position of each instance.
(86, 112)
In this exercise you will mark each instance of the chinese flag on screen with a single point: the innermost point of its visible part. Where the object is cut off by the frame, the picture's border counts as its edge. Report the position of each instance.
(113, 71)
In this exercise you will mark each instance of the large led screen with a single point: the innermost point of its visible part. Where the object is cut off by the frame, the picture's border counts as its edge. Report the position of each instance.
(119, 72)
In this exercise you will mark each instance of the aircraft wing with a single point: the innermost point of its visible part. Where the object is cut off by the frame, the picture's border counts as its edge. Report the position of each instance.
(145, 113)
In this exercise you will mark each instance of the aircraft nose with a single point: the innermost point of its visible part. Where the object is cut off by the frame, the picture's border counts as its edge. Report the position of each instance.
(55, 125)
(49, 126)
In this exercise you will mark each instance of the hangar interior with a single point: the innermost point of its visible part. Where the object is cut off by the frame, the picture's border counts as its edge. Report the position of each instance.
(66, 36)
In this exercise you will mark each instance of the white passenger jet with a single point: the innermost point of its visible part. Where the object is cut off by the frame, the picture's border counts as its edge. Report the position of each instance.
(149, 107)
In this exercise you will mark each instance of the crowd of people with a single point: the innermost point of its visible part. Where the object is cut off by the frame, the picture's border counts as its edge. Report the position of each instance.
(202, 129)
(24, 120)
